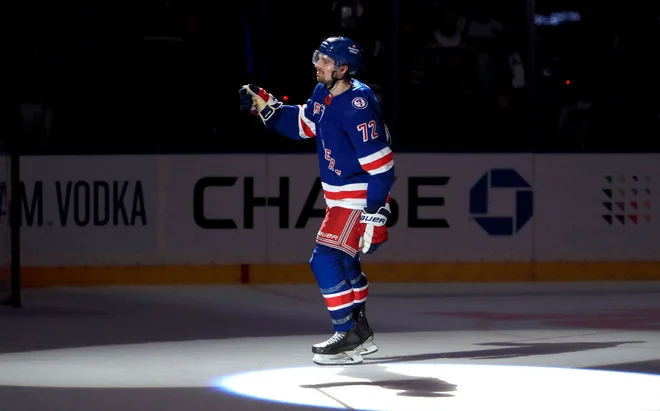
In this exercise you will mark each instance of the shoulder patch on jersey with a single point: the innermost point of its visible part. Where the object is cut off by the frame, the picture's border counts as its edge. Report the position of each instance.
(359, 103)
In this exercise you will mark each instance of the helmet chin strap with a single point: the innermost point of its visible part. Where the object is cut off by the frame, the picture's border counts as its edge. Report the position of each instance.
(334, 81)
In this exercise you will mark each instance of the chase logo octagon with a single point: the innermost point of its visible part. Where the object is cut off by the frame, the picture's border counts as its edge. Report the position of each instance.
(359, 103)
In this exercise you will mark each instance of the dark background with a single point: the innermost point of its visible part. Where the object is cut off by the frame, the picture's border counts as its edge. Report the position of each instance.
(163, 76)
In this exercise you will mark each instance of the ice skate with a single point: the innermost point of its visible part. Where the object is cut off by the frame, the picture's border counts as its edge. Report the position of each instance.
(364, 331)
(340, 349)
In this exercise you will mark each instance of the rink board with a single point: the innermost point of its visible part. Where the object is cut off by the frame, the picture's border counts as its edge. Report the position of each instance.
(253, 218)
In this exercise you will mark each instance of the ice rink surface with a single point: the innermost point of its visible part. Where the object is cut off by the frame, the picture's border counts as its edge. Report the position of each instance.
(558, 346)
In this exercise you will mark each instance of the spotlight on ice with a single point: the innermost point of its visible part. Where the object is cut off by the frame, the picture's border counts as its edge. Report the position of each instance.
(450, 387)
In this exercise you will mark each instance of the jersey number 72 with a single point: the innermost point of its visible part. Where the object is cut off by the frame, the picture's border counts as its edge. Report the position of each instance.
(370, 129)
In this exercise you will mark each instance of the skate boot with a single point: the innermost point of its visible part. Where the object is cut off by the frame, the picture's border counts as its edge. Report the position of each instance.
(340, 349)
(364, 331)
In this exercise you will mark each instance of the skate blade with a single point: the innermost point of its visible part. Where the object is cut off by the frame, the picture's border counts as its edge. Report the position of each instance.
(345, 358)
(368, 347)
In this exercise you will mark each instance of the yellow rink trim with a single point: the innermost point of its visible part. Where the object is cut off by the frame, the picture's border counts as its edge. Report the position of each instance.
(300, 273)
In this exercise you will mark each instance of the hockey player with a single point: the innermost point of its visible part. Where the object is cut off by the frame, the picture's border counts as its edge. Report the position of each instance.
(357, 173)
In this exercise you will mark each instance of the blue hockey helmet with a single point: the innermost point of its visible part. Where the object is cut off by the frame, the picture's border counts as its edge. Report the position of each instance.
(343, 51)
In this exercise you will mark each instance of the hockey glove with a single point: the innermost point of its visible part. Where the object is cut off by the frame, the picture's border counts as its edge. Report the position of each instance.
(261, 102)
(372, 229)
(247, 102)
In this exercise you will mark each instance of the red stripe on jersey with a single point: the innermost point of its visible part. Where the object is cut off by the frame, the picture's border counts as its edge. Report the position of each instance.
(361, 294)
(341, 195)
(306, 129)
(338, 301)
(378, 163)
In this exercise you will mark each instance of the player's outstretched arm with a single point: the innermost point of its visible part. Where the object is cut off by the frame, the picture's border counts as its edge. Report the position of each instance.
(288, 120)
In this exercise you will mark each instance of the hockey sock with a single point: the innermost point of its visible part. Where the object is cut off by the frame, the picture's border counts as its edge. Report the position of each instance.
(360, 289)
(339, 300)
(326, 264)
(358, 280)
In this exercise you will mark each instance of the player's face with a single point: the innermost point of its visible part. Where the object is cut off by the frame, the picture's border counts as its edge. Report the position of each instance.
(324, 67)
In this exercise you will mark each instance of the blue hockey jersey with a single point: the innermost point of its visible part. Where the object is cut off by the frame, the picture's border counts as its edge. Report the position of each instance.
(355, 158)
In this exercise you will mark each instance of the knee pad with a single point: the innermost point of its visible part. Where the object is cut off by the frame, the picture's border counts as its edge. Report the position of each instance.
(353, 267)
(327, 265)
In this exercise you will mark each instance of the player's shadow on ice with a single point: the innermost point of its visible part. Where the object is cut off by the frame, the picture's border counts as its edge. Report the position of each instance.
(509, 350)
(435, 387)
(428, 387)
